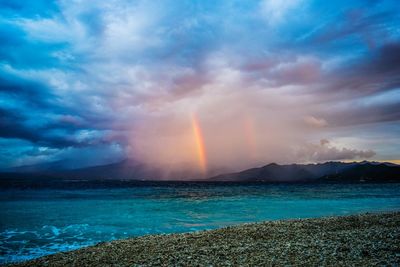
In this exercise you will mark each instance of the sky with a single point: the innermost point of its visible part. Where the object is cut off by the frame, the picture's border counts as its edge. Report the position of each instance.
(199, 84)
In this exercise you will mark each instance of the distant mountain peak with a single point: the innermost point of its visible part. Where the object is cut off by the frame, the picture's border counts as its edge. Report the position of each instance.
(273, 164)
(320, 172)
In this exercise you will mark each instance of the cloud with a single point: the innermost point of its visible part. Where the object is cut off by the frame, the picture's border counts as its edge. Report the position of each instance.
(324, 142)
(263, 77)
(376, 73)
(356, 23)
(325, 151)
(315, 122)
(359, 114)
(275, 11)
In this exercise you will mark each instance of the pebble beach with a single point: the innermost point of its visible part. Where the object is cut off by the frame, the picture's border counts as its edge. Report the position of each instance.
(356, 240)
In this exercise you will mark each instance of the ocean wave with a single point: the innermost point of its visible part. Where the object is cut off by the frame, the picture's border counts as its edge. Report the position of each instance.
(20, 245)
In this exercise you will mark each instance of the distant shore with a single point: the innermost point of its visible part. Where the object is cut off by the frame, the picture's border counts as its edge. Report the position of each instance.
(362, 240)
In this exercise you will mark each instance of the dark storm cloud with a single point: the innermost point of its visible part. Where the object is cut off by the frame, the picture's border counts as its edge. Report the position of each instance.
(28, 92)
(355, 23)
(14, 125)
(34, 113)
(378, 72)
(364, 114)
(11, 125)
(387, 59)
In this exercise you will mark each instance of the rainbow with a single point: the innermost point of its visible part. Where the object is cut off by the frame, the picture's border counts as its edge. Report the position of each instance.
(200, 147)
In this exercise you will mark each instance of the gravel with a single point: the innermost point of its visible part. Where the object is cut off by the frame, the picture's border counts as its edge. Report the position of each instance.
(357, 240)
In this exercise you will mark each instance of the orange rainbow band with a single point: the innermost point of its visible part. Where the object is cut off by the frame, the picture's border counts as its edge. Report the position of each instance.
(200, 147)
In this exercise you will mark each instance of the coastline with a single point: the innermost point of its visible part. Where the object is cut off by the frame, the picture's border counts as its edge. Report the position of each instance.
(364, 239)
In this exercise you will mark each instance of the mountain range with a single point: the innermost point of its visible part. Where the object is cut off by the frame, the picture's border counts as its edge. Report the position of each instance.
(323, 172)
(130, 170)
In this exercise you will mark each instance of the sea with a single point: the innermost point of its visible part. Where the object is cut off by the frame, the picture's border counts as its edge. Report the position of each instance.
(44, 219)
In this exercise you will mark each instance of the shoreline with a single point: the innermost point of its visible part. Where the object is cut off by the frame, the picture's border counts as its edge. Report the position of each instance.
(364, 239)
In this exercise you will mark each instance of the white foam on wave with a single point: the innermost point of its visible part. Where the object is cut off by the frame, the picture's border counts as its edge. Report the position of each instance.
(20, 245)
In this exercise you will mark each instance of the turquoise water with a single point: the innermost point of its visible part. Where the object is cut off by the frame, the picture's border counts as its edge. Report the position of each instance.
(36, 222)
